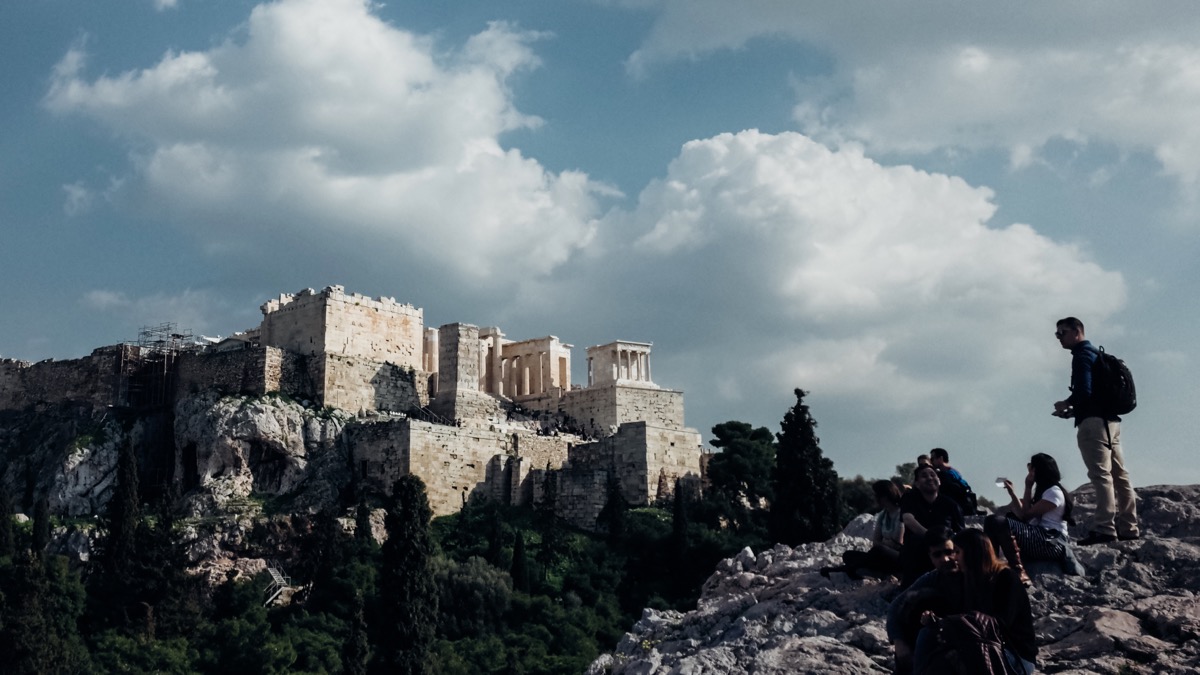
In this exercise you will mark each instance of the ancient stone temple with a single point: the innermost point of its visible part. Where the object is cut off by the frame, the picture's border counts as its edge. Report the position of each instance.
(473, 413)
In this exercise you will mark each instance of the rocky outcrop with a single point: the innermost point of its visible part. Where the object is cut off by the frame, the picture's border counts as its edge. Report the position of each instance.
(233, 447)
(1136, 610)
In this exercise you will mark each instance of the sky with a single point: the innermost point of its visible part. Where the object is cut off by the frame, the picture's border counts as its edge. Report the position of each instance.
(887, 205)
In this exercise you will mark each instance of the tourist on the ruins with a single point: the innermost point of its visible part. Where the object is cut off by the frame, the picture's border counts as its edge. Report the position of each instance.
(986, 623)
(904, 612)
(954, 485)
(883, 558)
(923, 460)
(924, 508)
(1035, 527)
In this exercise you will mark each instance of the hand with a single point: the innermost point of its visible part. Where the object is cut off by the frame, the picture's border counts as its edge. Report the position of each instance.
(1008, 485)
(1030, 478)
(928, 618)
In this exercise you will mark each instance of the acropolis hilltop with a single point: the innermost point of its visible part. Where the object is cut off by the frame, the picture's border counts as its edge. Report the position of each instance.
(473, 413)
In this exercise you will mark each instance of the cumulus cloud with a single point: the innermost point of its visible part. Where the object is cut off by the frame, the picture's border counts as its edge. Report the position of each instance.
(880, 283)
(917, 77)
(317, 118)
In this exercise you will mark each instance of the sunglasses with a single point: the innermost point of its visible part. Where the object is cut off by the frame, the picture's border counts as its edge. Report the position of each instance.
(1060, 333)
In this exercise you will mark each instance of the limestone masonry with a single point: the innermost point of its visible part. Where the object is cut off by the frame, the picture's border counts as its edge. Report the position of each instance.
(473, 413)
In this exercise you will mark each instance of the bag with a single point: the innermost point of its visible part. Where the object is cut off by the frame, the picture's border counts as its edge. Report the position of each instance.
(1112, 385)
(967, 644)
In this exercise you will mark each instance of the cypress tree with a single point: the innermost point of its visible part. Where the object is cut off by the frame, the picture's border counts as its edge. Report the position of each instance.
(122, 516)
(356, 649)
(409, 592)
(41, 525)
(520, 565)
(806, 487)
(8, 544)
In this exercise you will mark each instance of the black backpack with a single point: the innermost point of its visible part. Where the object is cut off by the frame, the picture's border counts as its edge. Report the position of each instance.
(1112, 385)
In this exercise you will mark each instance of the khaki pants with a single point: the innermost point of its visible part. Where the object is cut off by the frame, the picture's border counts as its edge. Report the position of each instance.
(1100, 446)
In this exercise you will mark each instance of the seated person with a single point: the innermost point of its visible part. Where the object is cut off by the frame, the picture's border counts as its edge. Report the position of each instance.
(921, 509)
(954, 485)
(884, 557)
(904, 613)
(986, 619)
(1036, 527)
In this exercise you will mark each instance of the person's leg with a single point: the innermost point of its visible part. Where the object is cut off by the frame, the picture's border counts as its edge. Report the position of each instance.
(1092, 437)
(1126, 500)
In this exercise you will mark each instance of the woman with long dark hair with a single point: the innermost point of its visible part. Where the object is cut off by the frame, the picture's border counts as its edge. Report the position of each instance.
(886, 539)
(1036, 526)
(986, 586)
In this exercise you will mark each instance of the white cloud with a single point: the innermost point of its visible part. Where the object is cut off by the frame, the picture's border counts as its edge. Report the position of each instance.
(917, 77)
(880, 283)
(321, 119)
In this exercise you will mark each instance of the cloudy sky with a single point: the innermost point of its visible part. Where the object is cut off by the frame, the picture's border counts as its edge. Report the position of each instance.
(887, 204)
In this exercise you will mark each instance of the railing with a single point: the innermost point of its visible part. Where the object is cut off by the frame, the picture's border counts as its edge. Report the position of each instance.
(279, 583)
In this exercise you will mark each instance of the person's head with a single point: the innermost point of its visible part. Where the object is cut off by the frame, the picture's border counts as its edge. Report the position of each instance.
(925, 480)
(1045, 476)
(922, 460)
(941, 549)
(1045, 471)
(1069, 332)
(975, 554)
(939, 457)
(887, 493)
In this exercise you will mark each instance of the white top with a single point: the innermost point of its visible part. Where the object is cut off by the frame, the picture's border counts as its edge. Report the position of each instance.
(889, 529)
(1053, 519)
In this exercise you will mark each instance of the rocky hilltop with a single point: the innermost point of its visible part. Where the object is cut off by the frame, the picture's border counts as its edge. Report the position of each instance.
(1136, 610)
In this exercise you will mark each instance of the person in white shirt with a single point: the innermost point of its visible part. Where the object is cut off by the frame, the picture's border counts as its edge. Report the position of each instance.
(1035, 527)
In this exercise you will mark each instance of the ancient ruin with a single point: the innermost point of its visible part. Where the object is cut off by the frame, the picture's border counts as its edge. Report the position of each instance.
(474, 414)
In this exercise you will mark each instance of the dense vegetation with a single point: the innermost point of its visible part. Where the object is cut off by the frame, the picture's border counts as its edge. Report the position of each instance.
(492, 589)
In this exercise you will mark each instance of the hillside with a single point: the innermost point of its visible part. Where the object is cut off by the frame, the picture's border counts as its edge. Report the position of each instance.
(1136, 611)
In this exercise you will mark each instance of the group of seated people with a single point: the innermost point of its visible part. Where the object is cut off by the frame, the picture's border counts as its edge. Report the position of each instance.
(957, 596)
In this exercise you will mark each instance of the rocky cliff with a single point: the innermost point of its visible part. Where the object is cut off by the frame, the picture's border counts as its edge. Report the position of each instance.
(1136, 610)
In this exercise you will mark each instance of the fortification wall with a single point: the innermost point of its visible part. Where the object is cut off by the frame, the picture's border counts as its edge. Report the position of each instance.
(92, 379)
(243, 371)
(600, 410)
(333, 322)
(644, 457)
(581, 496)
(295, 322)
(458, 463)
(379, 453)
(656, 407)
(354, 384)
(377, 329)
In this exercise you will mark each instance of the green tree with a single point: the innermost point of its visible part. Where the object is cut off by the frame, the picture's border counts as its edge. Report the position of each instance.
(807, 499)
(612, 517)
(520, 564)
(857, 497)
(356, 652)
(8, 543)
(41, 601)
(41, 525)
(407, 586)
(740, 485)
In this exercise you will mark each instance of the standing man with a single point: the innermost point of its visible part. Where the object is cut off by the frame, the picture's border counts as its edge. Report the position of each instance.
(1099, 438)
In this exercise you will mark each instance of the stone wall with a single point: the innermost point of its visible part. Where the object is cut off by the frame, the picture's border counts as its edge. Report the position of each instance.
(644, 457)
(333, 322)
(356, 384)
(600, 410)
(92, 379)
(242, 371)
(656, 407)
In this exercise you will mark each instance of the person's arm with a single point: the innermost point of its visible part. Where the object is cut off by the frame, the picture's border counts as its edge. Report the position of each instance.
(912, 526)
(1081, 378)
(877, 532)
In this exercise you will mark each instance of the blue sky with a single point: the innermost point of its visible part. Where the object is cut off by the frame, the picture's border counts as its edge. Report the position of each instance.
(887, 205)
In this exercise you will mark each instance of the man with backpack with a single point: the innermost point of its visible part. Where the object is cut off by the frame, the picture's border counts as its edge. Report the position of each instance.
(1098, 433)
(954, 485)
